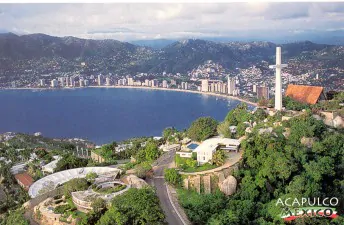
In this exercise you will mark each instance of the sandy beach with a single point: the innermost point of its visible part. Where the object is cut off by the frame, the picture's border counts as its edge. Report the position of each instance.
(143, 87)
(180, 90)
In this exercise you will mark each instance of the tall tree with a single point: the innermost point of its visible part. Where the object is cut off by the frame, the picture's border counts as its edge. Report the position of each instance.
(202, 128)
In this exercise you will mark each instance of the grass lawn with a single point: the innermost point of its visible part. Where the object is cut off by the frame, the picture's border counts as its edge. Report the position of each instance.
(184, 165)
(203, 167)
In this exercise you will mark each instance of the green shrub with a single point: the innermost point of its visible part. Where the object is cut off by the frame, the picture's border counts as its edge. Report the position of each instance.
(172, 176)
(61, 209)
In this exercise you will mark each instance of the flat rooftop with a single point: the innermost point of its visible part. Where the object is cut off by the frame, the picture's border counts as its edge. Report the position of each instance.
(212, 143)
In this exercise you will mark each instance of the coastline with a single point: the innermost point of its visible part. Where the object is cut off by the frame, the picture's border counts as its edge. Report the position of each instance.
(180, 90)
(145, 88)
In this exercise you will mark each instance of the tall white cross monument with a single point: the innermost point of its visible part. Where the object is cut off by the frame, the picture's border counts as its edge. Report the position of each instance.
(278, 88)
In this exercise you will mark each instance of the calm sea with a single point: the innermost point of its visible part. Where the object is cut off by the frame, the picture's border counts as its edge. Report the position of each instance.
(103, 115)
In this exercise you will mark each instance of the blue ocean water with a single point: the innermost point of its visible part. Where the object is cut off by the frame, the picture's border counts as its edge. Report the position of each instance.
(103, 115)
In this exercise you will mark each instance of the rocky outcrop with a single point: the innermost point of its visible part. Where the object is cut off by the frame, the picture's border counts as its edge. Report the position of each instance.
(332, 119)
(338, 122)
(308, 142)
(228, 186)
(136, 182)
(286, 133)
(265, 130)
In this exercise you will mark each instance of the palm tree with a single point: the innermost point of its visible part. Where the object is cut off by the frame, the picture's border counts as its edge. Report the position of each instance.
(219, 157)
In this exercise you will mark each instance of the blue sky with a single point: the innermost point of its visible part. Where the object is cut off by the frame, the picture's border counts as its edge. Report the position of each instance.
(127, 22)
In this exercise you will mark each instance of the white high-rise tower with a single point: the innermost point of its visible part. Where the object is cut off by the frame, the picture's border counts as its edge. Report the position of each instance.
(278, 88)
(231, 85)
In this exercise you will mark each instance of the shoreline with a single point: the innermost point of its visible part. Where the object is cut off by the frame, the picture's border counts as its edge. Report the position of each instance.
(145, 88)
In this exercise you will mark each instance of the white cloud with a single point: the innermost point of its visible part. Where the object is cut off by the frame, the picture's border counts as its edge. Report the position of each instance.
(136, 21)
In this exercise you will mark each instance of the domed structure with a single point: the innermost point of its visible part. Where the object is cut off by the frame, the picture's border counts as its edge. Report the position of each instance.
(228, 186)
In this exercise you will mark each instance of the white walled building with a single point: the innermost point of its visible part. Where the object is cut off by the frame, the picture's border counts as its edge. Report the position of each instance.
(204, 87)
(72, 82)
(208, 147)
(184, 85)
(138, 83)
(54, 83)
(62, 81)
(49, 168)
(130, 81)
(81, 82)
(41, 82)
(108, 83)
(231, 85)
(67, 81)
(155, 83)
(254, 88)
(164, 84)
(99, 80)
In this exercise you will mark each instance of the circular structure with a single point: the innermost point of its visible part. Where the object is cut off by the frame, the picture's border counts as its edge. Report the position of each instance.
(83, 199)
(51, 181)
(109, 187)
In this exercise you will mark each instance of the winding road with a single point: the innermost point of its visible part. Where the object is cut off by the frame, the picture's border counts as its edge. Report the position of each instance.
(172, 217)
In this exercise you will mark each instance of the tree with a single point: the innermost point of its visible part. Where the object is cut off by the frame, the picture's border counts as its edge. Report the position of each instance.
(291, 104)
(76, 184)
(135, 206)
(70, 161)
(142, 169)
(191, 163)
(113, 216)
(169, 131)
(263, 102)
(223, 129)
(172, 176)
(202, 128)
(241, 128)
(239, 114)
(17, 218)
(227, 216)
(152, 151)
(200, 207)
(141, 155)
(6, 178)
(260, 114)
(91, 176)
(219, 157)
(47, 186)
(98, 205)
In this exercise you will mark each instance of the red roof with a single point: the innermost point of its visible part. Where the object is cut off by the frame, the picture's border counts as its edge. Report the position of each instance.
(25, 179)
(304, 94)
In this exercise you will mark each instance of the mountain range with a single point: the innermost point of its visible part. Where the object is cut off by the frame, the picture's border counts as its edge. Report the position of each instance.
(43, 54)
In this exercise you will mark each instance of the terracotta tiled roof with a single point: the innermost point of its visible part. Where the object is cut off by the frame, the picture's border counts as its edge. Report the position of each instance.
(304, 94)
(25, 179)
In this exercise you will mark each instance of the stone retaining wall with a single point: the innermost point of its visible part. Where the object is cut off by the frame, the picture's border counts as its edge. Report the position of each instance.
(208, 180)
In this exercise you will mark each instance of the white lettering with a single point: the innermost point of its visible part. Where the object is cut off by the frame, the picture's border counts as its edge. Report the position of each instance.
(303, 201)
(296, 202)
(336, 199)
(324, 202)
(286, 202)
(279, 201)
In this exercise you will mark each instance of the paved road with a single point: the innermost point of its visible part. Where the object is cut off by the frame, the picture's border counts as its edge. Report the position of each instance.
(171, 216)
(28, 215)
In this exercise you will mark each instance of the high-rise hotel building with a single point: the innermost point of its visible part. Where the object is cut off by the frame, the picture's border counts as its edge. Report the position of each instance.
(205, 86)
